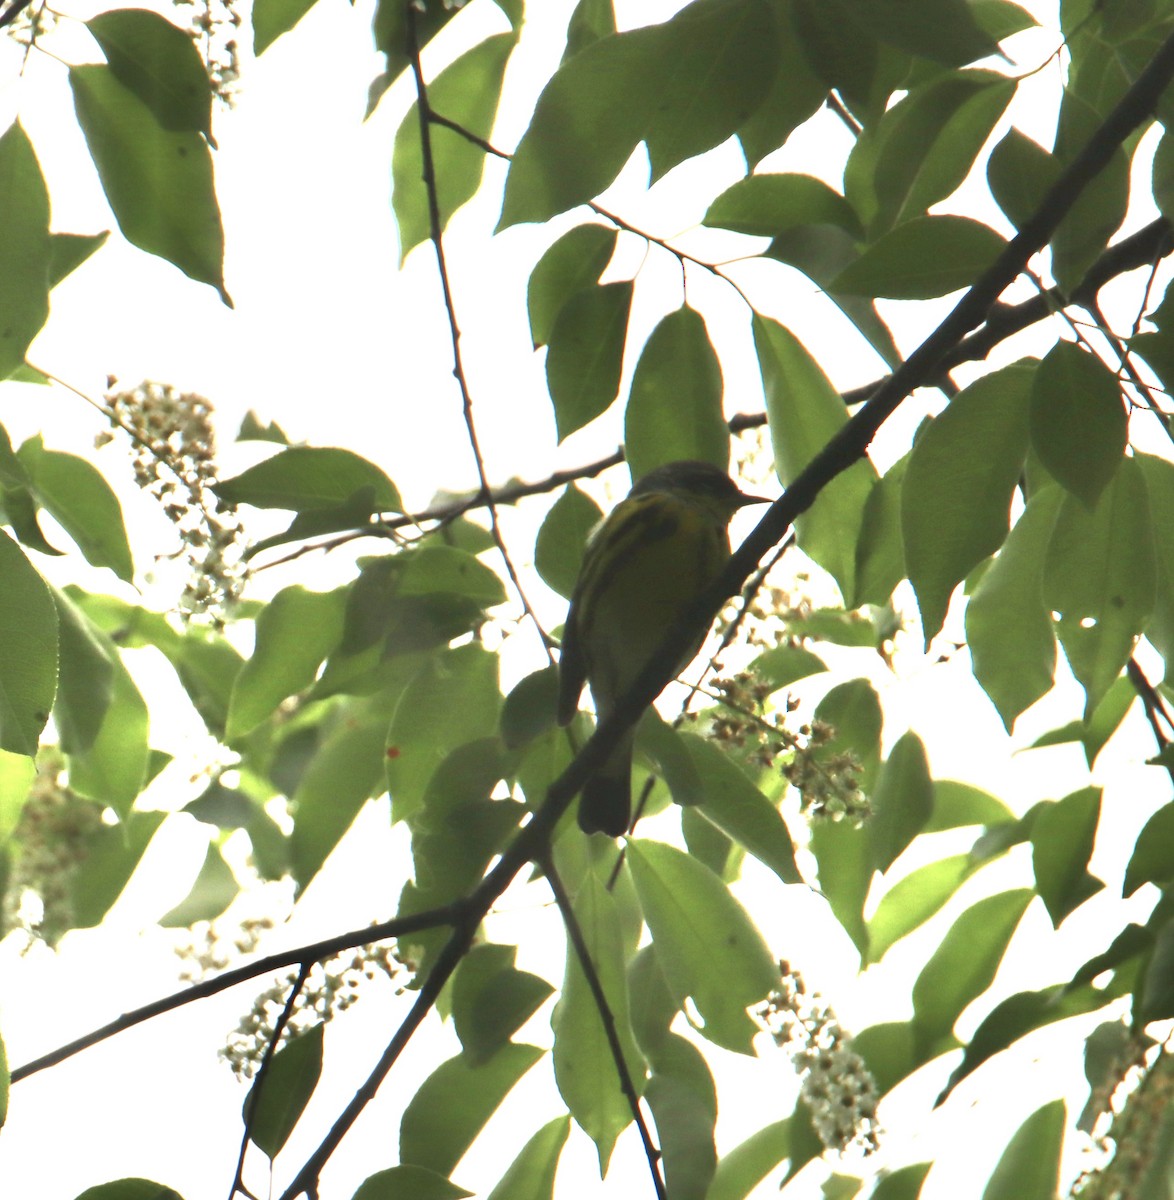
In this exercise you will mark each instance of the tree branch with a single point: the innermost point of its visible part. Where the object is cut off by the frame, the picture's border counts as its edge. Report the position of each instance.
(299, 956)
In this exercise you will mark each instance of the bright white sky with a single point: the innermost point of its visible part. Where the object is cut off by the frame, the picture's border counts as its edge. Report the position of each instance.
(328, 339)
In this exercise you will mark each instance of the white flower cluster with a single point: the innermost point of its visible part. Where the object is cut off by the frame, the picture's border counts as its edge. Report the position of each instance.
(837, 1086)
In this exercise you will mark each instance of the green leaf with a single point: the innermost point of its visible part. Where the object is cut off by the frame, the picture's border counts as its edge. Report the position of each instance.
(346, 770)
(214, 890)
(583, 1065)
(1156, 999)
(783, 665)
(707, 945)
(1078, 424)
(805, 412)
(1099, 209)
(683, 1101)
(956, 805)
(17, 773)
(102, 717)
(531, 1175)
(558, 550)
(295, 632)
(745, 1166)
(407, 1182)
(305, 478)
(1152, 860)
(160, 64)
(25, 249)
(682, 88)
(956, 499)
(902, 801)
(923, 258)
(272, 18)
(67, 252)
(796, 93)
(887, 1051)
(454, 1102)
(911, 901)
(944, 31)
(1020, 172)
(130, 1189)
(158, 182)
(674, 411)
(880, 550)
(740, 810)
(586, 354)
(1029, 1168)
(28, 666)
(1012, 643)
(278, 1098)
(423, 729)
(111, 858)
(1099, 577)
(79, 498)
(466, 92)
(1062, 838)
(1019, 1015)
(930, 139)
(530, 709)
(573, 264)
(962, 968)
(492, 1000)
(764, 205)
(902, 1184)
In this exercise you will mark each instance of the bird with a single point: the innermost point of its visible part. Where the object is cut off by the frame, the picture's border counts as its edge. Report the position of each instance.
(643, 566)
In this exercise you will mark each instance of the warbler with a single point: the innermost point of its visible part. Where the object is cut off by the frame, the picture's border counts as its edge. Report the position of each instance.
(643, 566)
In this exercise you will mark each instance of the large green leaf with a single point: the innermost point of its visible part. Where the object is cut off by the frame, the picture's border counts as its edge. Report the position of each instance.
(1152, 860)
(956, 498)
(583, 1065)
(740, 810)
(1100, 577)
(922, 258)
(911, 901)
(295, 632)
(28, 666)
(346, 770)
(902, 801)
(962, 968)
(75, 493)
(279, 1097)
(765, 205)
(466, 92)
(454, 1102)
(1078, 423)
(747, 1164)
(675, 407)
(24, 248)
(213, 891)
(407, 1182)
(159, 63)
(304, 478)
(1062, 838)
(453, 700)
(1029, 1168)
(110, 860)
(158, 181)
(571, 265)
(272, 18)
(707, 945)
(558, 549)
(681, 88)
(531, 1175)
(805, 412)
(683, 1100)
(102, 717)
(586, 354)
(929, 141)
(1012, 644)
(492, 999)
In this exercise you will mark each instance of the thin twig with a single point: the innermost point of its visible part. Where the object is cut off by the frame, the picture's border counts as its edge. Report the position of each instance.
(238, 1181)
(299, 955)
(583, 955)
(428, 172)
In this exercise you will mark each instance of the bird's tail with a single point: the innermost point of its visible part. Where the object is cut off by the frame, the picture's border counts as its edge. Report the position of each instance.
(606, 803)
